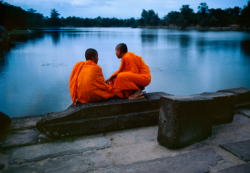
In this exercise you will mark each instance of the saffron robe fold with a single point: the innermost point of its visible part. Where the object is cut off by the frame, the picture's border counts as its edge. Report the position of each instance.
(87, 83)
(133, 74)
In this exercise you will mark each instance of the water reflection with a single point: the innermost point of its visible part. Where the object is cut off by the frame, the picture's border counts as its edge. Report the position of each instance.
(245, 47)
(149, 38)
(55, 37)
(184, 41)
(3, 63)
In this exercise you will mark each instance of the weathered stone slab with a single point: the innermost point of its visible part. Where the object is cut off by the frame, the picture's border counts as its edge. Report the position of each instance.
(20, 138)
(55, 149)
(184, 120)
(143, 151)
(223, 106)
(132, 136)
(22, 123)
(244, 111)
(243, 168)
(241, 149)
(192, 162)
(113, 114)
(95, 125)
(242, 98)
(4, 121)
(84, 162)
(238, 130)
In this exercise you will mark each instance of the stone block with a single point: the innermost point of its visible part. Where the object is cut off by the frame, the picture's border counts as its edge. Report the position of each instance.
(242, 96)
(112, 114)
(4, 121)
(184, 120)
(223, 107)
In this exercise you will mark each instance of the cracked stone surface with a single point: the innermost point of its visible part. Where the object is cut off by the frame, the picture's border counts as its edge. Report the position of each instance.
(51, 150)
(133, 136)
(23, 138)
(19, 138)
(197, 161)
(243, 168)
(22, 123)
(83, 162)
(240, 149)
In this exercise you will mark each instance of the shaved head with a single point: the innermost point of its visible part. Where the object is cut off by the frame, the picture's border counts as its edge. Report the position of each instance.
(90, 53)
(122, 47)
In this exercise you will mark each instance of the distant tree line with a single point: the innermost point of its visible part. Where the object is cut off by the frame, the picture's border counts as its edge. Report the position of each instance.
(17, 18)
(206, 17)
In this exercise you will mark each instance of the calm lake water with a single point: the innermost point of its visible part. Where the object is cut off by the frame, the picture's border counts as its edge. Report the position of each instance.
(34, 75)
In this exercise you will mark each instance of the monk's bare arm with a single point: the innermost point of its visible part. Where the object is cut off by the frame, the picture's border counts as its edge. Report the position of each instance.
(109, 79)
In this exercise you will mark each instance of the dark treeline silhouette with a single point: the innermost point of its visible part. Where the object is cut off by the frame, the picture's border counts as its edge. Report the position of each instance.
(206, 17)
(17, 18)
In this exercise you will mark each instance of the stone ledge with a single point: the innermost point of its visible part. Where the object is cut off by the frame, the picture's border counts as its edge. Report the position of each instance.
(113, 114)
(223, 106)
(242, 96)
(97, 125)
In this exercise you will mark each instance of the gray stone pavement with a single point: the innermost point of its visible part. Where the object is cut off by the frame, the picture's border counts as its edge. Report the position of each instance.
(24, 149)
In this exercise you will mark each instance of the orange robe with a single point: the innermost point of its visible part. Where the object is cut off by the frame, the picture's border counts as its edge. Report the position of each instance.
(132, 74)
(87, 83)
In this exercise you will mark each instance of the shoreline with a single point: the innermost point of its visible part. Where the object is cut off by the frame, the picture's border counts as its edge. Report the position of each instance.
(195, 28)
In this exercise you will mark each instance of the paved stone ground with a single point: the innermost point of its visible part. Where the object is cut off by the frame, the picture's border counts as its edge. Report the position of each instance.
(24, 149)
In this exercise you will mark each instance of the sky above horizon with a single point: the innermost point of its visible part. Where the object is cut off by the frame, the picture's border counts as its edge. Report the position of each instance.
(117, 8)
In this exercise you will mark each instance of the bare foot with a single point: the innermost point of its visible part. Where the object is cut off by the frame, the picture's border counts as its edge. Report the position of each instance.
(135, 97)
(136, 94)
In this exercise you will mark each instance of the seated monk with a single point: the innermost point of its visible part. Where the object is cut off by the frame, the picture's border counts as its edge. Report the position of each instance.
(132, 76)
(87, 82)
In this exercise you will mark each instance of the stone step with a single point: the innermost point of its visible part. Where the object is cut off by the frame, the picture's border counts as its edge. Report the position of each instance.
(76, 163)
(113, 114)
(59, 148)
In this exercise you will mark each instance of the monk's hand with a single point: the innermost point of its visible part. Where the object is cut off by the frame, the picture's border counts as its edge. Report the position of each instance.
(108, 80)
